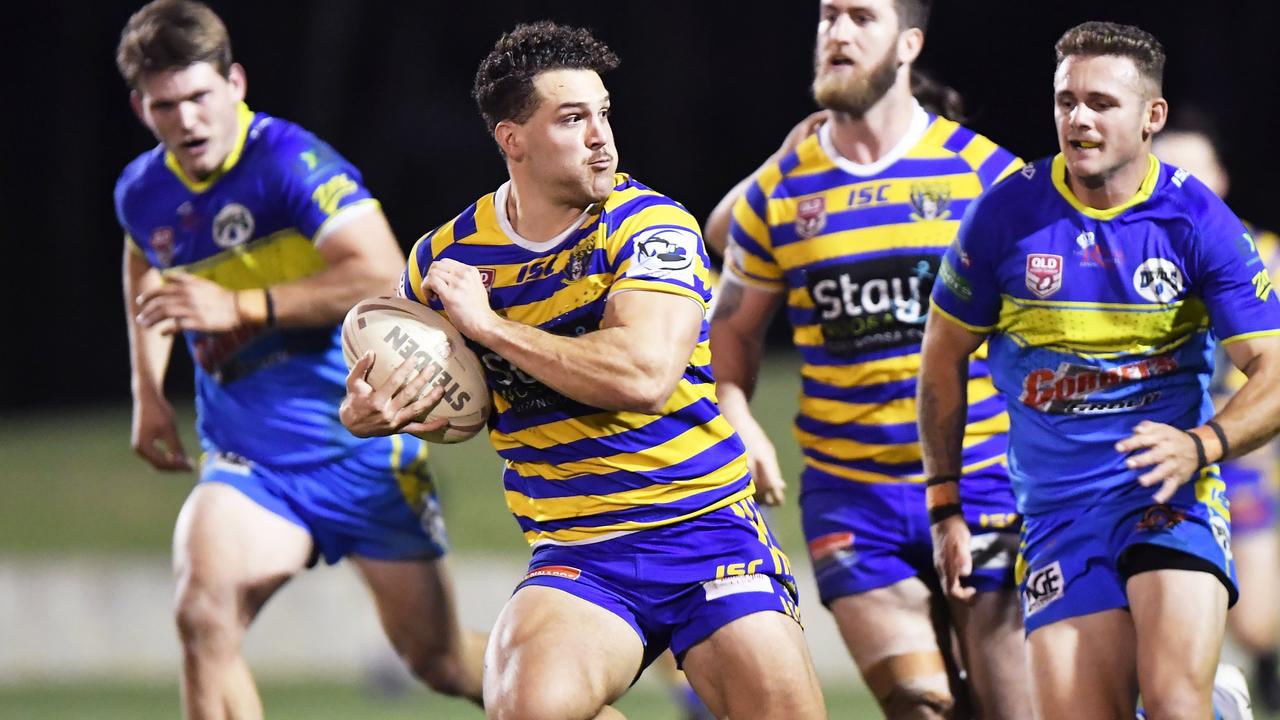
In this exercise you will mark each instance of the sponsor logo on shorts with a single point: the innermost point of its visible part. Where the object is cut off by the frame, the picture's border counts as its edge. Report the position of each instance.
(829, 544)
(1160, 517)
(811, 216)
(735, 585)
(1043, 587)
(1044, 274)
(1066, 390)
(1222, 534)
(560, 571)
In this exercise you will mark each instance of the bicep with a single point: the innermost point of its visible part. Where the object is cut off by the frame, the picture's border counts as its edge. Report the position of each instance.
(1254, 353)
(947, 341)
(658, 323)
(363, 238)
(743, 309)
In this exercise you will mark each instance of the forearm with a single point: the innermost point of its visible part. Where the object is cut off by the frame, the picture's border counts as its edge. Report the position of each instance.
(942, 402)
(149, 348)
(1251, 418)
(605, 368)
(317, 300)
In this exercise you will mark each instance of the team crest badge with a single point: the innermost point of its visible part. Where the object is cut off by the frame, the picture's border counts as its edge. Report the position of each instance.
(930, 200)
(811, 216)
(162, 243)
(1044, 274)
(487, 276)
(1158, 280)
(579, 259)
(233, 225)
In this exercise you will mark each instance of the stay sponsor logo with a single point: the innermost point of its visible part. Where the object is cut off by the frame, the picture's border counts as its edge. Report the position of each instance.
(1066, 389)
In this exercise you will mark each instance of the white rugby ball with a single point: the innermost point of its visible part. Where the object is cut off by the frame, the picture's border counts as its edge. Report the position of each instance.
(399, 330)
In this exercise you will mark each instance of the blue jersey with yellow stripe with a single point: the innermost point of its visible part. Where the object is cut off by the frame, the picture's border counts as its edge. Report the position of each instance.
(272, 395)
(1227, 378)
(576, 473)
(856, 249)
(1100, 318)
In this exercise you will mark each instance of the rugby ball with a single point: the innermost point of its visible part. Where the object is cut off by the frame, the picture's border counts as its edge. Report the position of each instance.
(398, 331)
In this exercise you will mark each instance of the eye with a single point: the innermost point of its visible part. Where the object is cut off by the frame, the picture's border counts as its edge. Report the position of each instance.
(570, 119)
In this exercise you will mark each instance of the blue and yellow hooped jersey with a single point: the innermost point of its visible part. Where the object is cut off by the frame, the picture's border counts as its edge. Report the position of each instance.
(1100, 318)
(270, 396)
(576, 473)
(856, 249)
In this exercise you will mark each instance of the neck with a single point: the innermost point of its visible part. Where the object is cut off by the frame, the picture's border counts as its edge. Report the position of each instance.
(868, 138)
(1115, 188)
(534, 214)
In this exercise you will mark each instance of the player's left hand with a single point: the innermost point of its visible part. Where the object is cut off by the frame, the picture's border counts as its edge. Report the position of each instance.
(462, 292)
(191, 303)
(1168, 449)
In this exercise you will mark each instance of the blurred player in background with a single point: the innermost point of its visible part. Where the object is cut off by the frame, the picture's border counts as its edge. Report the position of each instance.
(252, 238)
(1097, 276)
(846, 230)
(1191, 143)
(585, 292)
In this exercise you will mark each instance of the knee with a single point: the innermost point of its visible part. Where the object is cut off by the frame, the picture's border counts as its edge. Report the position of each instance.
(443, 673)
(206, 619)
(908, 702)
(529, 701)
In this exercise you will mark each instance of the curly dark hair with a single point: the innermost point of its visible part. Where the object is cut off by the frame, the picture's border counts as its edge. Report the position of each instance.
(504, 82)
(1106, 38)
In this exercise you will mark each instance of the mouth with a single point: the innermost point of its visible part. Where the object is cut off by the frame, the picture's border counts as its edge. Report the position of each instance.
(838, 61)
(601, 163)
(1084, 144)
(195, 146)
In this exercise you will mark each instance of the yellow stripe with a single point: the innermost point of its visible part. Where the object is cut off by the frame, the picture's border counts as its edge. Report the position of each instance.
(891, 412)
(280, 257)
(1098, 332)
(599, 425)
(782, 211)
(1211, 491)
(975, 329)
(320, 231)
(750, 223)
(869, 477)
(899, 236)
(690, 443)
(244, 118)
(562, 508)
(633, 284)
(1249, 336)
(589, 534)
(1014, 166)
(737, 274)
(977, 152)
(846, 449)
(1058, 171)
(871, 372)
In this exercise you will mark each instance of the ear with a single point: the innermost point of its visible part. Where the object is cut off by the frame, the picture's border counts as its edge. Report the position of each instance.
(510, 140)
(239, 83)
(1157, 115)
(910, 43)
(135, 102)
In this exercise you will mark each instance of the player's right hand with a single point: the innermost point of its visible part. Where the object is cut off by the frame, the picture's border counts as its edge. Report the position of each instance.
(952, 556)
(762, 460)
(393, 406)
(154, 434)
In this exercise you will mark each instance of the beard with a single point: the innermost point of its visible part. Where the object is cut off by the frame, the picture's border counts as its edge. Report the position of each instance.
(854, 95)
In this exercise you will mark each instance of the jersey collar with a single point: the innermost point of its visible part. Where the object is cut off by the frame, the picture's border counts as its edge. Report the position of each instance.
(244, 118)
(1058, 171)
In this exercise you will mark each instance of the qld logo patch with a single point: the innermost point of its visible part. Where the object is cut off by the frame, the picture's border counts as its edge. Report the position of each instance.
(1044, 586)
(162, 243)
(560, 571)
(811, 216)
(233, 225)
(1158, 280)
(1044, 274)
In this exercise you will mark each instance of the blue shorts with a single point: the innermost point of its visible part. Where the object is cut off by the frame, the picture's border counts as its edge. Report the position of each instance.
(677, 584)
(864, 536)
(1071, 558)
(377, 502)
(1253, 498)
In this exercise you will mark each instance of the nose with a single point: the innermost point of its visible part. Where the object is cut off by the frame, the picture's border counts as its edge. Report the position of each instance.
(188, 114)
(841, 29)
(597, 132)
(1081, 116)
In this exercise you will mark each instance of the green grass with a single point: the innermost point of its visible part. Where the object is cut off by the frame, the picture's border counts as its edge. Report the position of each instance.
(73, 486)
(317, 701)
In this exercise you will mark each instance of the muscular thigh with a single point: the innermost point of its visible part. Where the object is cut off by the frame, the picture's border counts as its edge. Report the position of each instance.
(1180, 619)
(1083, 667)
(558, 654)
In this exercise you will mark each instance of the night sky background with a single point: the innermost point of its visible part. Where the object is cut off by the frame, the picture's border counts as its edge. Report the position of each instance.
(705, 92)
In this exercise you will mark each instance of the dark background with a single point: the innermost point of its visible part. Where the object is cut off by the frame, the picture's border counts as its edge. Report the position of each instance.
(705, 92)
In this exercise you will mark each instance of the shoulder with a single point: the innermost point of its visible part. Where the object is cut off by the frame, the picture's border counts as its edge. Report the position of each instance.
(292, 149)
(137, 178)
(1019, 190)
(633, 204)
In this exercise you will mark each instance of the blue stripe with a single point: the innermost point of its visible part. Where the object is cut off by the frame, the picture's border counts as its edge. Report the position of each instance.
(639, 439)
(509, 422)
(989, 170)
(861, 218)
(615, 217)
(993, 446)
(528, 292)
(817, 355)
(922, 168)
(879, 392)
(748, 244)
(756, 199)
(465, 224)
(892, 433)
(959, 139)
(790, 162)
(641, 513)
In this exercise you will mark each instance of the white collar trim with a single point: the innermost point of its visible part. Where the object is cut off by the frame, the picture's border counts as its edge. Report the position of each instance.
(915, 131)
(504, 222)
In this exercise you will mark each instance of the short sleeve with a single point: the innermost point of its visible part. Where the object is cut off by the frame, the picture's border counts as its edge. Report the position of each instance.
(966, 291)
(750, 254)
(1232, 278)
(320, 186)
(660, 249)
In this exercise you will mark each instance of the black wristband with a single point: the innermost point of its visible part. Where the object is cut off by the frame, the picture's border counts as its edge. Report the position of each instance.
(1222, 437)
(941, 480)
(271, 307)
(1201, 460)
(942, 512)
